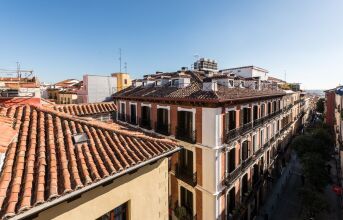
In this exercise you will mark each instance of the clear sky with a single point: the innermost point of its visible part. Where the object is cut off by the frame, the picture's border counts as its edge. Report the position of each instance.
(66, 39)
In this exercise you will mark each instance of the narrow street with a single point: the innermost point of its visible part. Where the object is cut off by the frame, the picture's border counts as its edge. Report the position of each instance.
(283, 203)
(287, 206)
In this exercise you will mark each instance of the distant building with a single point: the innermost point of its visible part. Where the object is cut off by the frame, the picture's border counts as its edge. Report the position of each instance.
(206, 64)
(67, 97)
(330, 107)
(123, 80)
(295, 86)
(97, 88)
(235, 132)
(64, 92)
(19, 90)
(247, 71)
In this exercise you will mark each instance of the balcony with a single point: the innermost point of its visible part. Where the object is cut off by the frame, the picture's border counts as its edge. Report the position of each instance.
(162, 128)
(121, 116)
(246, 127)
(145, 123)
(232, 134)
(231, 177)
(185, 135)
(185, 175)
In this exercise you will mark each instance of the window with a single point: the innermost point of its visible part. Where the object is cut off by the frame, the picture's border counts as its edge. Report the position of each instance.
(186, 160)
(245, 150)
(186, 200)
(261, 137)
(263, 110)
(254, 142)
(230, 120)
(125, 81)
(119, 213)
(231, 160)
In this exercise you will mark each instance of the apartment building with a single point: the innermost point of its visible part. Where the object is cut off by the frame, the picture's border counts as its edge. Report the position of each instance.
(57, 165)
(234, 132)
(334, 118)
(123, 80)
(15, 90)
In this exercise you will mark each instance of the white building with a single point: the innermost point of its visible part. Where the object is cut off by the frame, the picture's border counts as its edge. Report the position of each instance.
(248, 71)
(97, 88)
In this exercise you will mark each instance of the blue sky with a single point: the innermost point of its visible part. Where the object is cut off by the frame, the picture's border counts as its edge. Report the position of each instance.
(66, 39)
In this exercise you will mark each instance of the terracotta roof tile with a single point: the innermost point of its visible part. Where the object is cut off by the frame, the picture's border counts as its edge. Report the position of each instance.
(86, 109)
(44, 163)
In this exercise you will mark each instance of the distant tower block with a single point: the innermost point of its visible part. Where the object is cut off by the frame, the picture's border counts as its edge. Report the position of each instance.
(206, 64)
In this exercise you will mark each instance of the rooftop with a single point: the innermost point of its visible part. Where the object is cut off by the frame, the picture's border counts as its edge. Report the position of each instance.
(87, 108)
(57, 155)
(193, 91)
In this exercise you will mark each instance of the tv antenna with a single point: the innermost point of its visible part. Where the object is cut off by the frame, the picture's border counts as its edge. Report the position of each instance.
(125, 67)
(120, 59)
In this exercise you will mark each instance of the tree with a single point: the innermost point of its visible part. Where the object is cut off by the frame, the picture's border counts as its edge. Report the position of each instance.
(313, 201)
(320, 105)
(315, 172)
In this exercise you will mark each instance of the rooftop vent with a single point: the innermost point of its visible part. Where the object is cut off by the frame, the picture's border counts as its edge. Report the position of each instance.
(80, 138)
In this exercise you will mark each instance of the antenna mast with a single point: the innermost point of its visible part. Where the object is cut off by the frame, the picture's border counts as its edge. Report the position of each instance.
(125, 67)
(120, 59)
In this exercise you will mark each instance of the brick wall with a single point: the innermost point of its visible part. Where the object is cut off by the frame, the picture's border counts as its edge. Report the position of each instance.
(153, 114)
(173, 119)
(198, 204)
(198, 165)
(198, 124)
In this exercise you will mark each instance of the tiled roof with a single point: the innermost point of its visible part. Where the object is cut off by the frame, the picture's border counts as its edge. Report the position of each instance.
(194, 91)
(43, 163)
(86, 109)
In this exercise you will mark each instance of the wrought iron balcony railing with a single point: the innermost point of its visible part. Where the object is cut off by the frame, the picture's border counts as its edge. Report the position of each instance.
(185, 135)
(186, 175)
(145, 123)
(162, 128)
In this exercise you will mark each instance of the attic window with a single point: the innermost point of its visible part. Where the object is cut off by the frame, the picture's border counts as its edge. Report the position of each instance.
(80, 138)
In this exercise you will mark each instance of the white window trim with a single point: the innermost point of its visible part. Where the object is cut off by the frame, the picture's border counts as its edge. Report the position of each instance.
(144, 104)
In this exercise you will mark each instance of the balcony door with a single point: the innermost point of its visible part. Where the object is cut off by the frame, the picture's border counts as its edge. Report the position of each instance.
(162, 121)
(231, 160)
(245, 186)
(255, 112)
(231, 200)
(245, 150)
(230, 120)
(186, 161)
(186, 200)
(185, 125)
(256, 174)
(263, 110)
(145, 116)
(246, 115)
(133, 115)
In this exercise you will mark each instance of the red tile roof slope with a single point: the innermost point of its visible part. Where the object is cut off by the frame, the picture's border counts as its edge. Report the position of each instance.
(86, 109)
(193, 91)
(44, 163)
